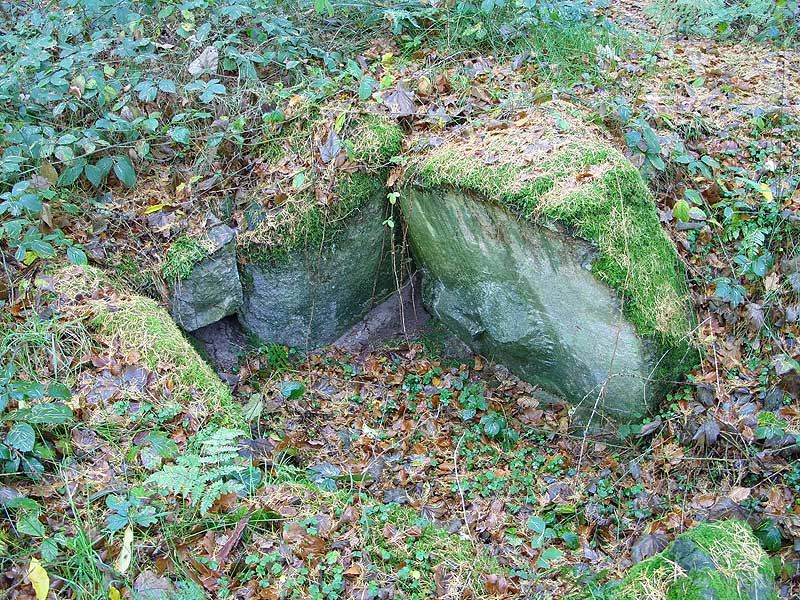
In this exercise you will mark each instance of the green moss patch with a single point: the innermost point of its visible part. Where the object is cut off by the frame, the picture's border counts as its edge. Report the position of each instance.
(557, 170)
(723, 558)
(182, 257)
(140, 325)
(376, 140)
(304, 224)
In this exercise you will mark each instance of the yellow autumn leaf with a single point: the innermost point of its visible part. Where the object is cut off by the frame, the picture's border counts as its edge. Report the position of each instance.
(154, 208)
(40, 580)
(763, 188)
(126, 553)
(113, 593)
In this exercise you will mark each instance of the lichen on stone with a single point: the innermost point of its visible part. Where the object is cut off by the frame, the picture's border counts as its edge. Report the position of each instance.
(555, 168)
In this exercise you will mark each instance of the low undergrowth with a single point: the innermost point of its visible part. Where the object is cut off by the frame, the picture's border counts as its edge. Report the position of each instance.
(776, 21)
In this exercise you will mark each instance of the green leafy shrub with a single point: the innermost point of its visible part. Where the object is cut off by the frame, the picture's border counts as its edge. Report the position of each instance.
(21, 447)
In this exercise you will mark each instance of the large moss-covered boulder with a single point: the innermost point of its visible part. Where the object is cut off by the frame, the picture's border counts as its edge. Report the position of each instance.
(203, 278)
(713, 561)
(316, 261)
(542, 250)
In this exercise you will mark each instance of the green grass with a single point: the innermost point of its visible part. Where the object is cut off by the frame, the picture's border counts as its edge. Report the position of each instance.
(45, 349)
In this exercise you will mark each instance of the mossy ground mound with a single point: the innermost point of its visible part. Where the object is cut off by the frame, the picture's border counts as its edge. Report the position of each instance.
(140, 326)
(720, 560)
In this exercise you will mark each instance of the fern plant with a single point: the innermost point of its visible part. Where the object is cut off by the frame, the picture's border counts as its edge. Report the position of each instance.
(203, 478)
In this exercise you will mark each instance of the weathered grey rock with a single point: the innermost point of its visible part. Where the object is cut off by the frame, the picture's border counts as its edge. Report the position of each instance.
(524, 295)
(212, 290)
(311, 297)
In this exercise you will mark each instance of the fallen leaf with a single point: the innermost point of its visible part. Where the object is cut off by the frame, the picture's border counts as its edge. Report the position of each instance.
(647, 546)
(40, 580)
(205, 63)
(126, 553)
(149, 586)
(331, 147)
(400, 102)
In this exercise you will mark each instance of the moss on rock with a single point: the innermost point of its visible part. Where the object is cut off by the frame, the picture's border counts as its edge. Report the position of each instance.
(721, 560)
(376, 139)
(305, 224)
(184, 254)
(302, 222)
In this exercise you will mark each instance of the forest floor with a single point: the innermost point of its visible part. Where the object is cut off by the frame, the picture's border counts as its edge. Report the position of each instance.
(399, 472)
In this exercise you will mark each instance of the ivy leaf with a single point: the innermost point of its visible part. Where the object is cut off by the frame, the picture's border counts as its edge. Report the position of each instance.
(769, 535)
(21, 437)
(548, 556)
(123, 169)
(182, 135)
(147, 91)
(293, 390)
